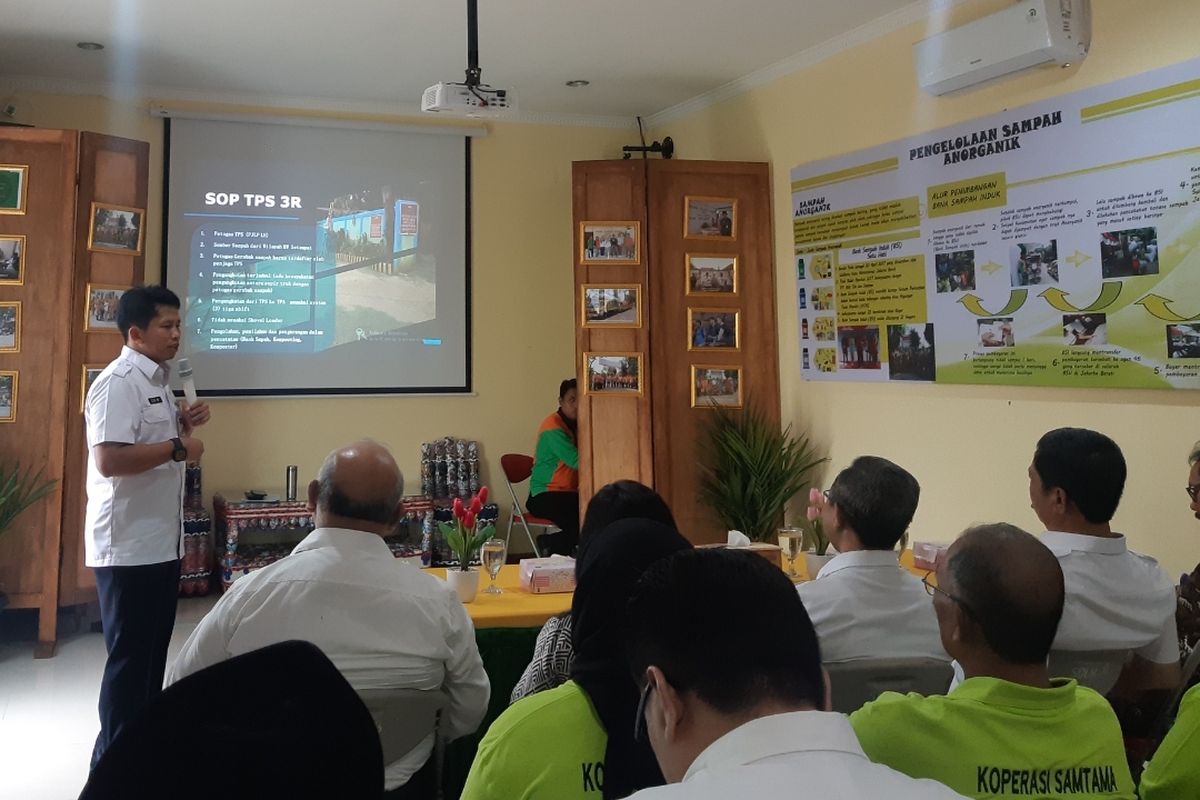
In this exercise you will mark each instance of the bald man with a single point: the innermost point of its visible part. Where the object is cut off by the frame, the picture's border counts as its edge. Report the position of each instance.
(1009, 728)
(384, 624)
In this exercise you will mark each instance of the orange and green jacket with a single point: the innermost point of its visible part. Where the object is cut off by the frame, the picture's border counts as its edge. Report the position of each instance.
(555, 458)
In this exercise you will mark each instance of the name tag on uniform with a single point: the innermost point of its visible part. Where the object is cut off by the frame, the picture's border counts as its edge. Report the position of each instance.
(155, 400)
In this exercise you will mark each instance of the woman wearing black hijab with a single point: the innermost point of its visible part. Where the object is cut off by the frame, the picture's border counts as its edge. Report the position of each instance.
(540, 747)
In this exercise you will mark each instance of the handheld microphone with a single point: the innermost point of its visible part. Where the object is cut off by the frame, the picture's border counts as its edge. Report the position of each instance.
(189, 385)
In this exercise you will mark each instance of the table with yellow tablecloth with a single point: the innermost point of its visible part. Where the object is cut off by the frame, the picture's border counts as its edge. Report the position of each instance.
(515, 608)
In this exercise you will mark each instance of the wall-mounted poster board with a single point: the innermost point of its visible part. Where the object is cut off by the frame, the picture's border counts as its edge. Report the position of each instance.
(1053, 245)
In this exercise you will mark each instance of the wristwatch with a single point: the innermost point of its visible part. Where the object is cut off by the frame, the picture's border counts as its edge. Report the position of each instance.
(180, 452)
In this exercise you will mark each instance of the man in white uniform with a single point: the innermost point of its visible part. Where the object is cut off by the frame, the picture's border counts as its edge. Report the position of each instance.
(383, 623)
(749, 723)
(137, 446)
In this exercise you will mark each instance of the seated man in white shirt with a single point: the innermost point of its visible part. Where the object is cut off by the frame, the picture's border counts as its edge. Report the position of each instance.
(863, 604)
(750, 723)
(383, 623)
(1116, 600)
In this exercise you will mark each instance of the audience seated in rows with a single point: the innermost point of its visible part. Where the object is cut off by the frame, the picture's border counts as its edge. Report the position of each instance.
(552, 653)
(576, 740)
(862, 603)
(733, 691)
(1008, 728)
(382, 623)
(1116, 600)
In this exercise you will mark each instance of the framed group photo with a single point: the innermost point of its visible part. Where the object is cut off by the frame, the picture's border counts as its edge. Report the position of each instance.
(716, 386)
(116, 229)
(713, 329)
(10, 327)
(611, 306)
(90, 373)
(610, 242)
(12, 259)
(612, 373)
(14, 188)
(708, 274)
(8, 396)
(100, 313)
(710, 218)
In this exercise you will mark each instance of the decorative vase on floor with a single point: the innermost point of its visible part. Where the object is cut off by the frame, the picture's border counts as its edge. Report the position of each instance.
(814, 562)
(464, 583)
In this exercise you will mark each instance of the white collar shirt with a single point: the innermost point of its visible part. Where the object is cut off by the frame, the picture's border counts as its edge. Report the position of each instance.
(1115, 599)
(797, 754)
(132, 519)
(383, 623)
(864, 605)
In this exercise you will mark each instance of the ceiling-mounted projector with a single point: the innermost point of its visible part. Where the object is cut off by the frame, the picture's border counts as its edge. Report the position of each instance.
(1028, 33)
(471, 98)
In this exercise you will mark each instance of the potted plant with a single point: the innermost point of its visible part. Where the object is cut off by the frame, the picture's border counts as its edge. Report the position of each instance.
(750, 468)
(18, 491)
(464, 542)
(816, 552)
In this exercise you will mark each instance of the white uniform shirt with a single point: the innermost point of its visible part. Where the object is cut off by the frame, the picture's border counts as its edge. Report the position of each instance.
(864, 605)
(132, 519)
(798, 754)
(383, 623)
(1115, 599)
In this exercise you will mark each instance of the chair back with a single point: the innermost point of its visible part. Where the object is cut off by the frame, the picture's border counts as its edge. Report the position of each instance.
(403, 717)
(1095, 669)
(853, 684)
(517, 467)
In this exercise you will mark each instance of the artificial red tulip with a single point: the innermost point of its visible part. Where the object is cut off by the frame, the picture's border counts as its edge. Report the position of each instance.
(476, 506)
(469, 520)
(458, 508)
(483, 494)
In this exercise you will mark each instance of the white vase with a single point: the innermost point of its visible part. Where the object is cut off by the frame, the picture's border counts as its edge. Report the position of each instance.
(814, 562)
(465, 584)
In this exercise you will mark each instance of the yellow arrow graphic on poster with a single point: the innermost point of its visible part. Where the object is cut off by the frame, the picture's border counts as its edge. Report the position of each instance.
(1079, 259)
(1016, 299)
(1158, 306)
(991, 267)
(1109, 292)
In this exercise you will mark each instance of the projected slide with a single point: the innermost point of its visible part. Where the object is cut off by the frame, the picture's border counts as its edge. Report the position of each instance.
(341, 271)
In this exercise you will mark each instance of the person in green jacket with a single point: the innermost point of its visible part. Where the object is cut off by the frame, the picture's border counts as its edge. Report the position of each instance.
(554, 484)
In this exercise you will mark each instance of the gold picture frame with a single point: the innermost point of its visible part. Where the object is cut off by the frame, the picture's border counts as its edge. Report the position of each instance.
(607, 232)
(100, 307)
(597, 311)
(114, 238)
(86, 381)
(8, 394)
(710, 218)
(728, 329)
(610, 381)
(707, 274)
(14, 188)
(10, 317)
(13, 259)
(704, 388)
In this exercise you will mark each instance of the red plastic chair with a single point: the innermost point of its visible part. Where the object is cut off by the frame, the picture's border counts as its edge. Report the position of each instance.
(517, 468)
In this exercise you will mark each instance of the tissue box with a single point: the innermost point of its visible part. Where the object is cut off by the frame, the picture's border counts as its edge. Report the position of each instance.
(548, 575)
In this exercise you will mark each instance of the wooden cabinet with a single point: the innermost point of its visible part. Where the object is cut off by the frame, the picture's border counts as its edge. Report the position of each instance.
(41, 556)
(683, 269)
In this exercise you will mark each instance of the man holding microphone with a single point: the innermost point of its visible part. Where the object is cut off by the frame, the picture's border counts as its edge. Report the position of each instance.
(138, 445)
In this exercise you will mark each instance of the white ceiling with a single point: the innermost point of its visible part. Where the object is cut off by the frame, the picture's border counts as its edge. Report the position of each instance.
(641, 57)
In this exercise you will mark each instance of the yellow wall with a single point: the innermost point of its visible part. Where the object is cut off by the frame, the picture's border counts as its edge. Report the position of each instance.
(968, 446)
(522, 316)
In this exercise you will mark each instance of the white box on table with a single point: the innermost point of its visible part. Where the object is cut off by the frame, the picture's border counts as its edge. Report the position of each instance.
(548, 575)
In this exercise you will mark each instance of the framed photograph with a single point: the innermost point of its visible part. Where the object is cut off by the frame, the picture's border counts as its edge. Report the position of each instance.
(707, 274)
(8, 396)
(10, 327)
(100, 314)
(116, 229)
(611, 306)
(716, 386)
(612, 373)
(14, 180)
(90, 373)
(710, 218)
(12, 259)
(610, 242)
(714, 329)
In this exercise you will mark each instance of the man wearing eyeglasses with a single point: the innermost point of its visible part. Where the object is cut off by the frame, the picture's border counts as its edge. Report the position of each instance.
(1008, 728)
(733, 699)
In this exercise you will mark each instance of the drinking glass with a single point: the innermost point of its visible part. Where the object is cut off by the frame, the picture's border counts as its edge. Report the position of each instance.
(492, 555)
(791, 543)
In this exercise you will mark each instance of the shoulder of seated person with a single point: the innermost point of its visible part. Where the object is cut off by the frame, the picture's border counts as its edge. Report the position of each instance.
(527, 708)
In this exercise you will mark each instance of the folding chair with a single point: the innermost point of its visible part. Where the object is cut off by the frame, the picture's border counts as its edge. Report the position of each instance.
(403, 718)
(853, 684)
(517, 468)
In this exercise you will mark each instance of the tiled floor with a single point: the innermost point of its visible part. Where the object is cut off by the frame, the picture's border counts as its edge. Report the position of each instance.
(48, 708)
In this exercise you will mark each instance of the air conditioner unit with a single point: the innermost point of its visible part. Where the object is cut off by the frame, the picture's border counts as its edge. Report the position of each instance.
(1028, 33)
